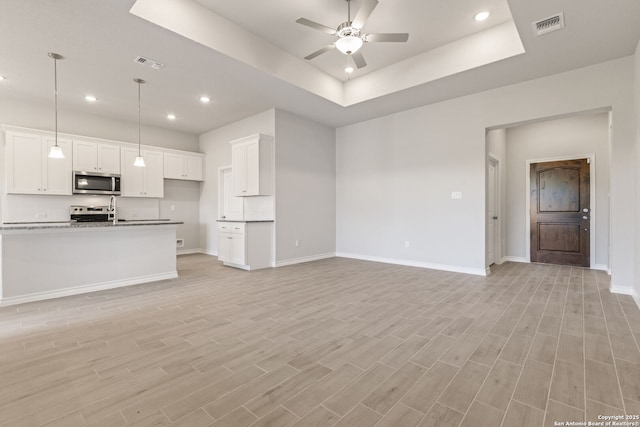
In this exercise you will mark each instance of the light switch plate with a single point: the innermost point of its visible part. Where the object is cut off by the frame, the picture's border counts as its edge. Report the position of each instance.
(456, 195)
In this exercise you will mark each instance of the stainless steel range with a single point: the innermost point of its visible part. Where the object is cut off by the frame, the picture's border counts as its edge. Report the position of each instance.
(89, 213)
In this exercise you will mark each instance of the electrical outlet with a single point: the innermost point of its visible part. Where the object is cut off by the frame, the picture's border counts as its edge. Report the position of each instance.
(297, 243)
(180, 243)
(41, 215)
(407, 244)
(173, 207)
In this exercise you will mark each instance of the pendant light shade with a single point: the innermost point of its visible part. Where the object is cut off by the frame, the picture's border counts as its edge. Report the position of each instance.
(139, 160)
(56, 151)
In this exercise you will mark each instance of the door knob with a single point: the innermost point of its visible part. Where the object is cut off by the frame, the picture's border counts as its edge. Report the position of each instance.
(585, 217)
(495, 217)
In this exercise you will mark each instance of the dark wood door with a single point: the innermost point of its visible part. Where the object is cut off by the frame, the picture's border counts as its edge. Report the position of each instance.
(560, 212)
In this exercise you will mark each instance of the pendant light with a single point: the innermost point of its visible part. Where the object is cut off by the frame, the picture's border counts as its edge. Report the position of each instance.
(56, 150)
(139, 160)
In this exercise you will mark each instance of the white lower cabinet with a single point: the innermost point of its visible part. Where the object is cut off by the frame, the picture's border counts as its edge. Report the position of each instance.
(245, 245)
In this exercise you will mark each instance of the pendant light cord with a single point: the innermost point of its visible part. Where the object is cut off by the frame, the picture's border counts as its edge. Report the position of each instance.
(55, 96)
(139, 152)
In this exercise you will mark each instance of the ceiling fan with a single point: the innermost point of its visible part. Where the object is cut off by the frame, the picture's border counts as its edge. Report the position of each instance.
(349, 33)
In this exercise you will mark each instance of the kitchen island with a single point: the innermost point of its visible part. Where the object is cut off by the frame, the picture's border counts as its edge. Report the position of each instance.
(49, 260)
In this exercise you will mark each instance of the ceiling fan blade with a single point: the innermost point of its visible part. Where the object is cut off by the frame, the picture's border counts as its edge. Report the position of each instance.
(320, 51)
(363, 14)
(316, 26)
(386, 37)
(359, 59)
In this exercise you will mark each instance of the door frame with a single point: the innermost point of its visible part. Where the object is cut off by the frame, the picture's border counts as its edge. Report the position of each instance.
(592, 201)
(497, 234)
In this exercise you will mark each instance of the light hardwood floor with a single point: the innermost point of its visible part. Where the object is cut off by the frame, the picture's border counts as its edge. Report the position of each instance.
(332, 342)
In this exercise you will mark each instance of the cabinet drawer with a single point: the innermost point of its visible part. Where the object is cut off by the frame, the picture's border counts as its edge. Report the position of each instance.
(232, 227)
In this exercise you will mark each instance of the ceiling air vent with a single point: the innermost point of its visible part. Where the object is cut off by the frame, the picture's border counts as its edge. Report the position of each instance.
(148, 62)
(552, 23)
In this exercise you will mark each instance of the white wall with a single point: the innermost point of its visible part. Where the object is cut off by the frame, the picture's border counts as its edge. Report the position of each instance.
(395, 174)
(561, 138)
(185, 196)
(306, 189)
(215, 144)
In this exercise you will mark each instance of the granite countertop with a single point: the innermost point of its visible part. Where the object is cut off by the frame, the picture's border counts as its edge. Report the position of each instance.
(78, 225)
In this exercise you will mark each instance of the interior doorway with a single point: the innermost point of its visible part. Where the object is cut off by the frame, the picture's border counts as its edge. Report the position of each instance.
(493, 211)
(584, 135)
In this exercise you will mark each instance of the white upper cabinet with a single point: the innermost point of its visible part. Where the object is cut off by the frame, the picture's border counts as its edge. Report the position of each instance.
(29, 168)
(89, 156)
(183, 166)
(252, 164)
(145, 181)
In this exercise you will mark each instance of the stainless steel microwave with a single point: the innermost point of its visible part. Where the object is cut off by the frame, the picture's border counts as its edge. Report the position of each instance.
(96, 183)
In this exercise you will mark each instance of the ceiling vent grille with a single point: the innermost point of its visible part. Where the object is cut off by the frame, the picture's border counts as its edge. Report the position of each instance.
(552, 23)
(148, 62)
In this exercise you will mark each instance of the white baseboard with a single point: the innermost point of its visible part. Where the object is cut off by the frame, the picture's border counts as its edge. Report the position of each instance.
(189, 251)
(636, 298)
(514, 259)
(411, 263)
(622, 290)
(601, 267)
(86, 288)
(300, 260)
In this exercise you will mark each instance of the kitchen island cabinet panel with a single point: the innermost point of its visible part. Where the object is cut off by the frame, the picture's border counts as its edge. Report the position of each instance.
(49, 262)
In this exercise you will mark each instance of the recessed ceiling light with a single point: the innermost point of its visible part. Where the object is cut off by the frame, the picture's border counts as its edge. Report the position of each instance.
(349, 70)
(171, 116)
(90, 98)
(205, 99)
(481, 16)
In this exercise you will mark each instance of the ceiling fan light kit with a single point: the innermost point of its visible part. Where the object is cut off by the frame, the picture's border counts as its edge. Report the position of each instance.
(349, 44)
(350, 39)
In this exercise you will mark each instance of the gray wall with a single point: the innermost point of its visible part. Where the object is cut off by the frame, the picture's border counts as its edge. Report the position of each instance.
(304, 183)
(215, 144)
(305, 189)
(395, 174)
(566, 137)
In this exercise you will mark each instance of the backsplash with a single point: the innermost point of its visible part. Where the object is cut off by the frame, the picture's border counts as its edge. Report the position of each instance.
(37, 208)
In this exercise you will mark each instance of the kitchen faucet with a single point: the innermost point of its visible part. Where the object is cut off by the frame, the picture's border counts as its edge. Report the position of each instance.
(113, 214)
